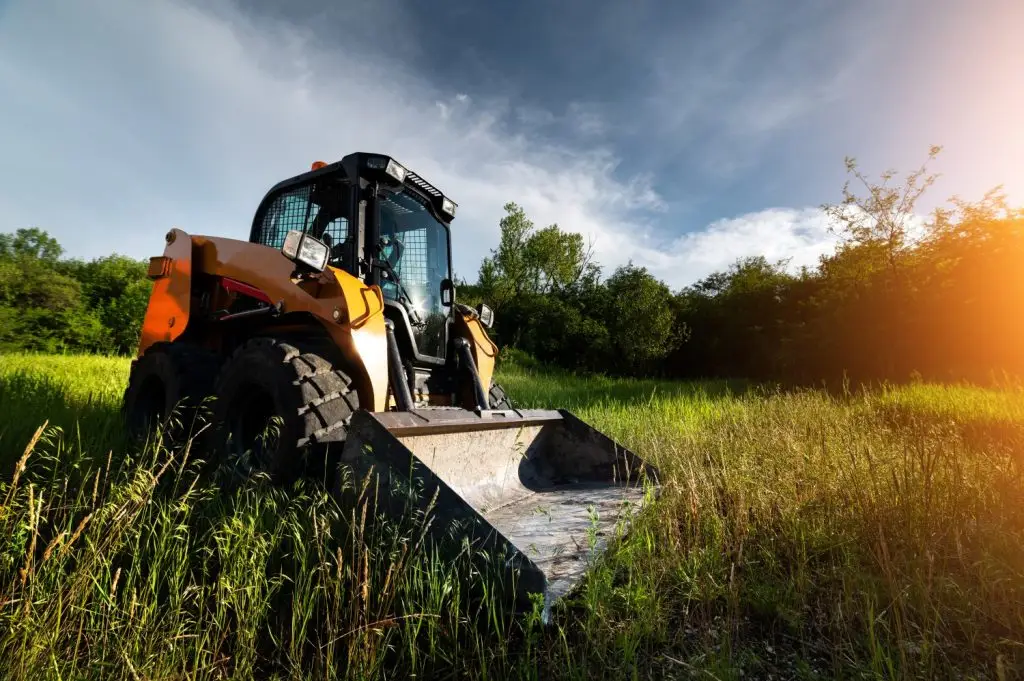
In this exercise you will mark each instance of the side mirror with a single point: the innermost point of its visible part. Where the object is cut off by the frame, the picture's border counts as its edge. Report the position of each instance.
(485, 314)
(447, 292)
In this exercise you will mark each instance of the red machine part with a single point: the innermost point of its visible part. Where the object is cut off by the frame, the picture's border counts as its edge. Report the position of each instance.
(239, 287)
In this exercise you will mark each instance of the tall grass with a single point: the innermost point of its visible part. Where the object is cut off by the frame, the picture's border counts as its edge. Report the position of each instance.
(799, 535)
(78, 395)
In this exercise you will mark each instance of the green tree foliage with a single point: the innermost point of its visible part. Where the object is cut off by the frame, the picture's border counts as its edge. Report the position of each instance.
(901, 296)
(880, 221)
(117, 289)
(639, 318)
(529, 261)
(732, 321)
(550, 301)
(32, 243)
(53, 305)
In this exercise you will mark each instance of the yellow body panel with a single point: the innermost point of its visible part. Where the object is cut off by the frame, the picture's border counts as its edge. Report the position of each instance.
(483, 348)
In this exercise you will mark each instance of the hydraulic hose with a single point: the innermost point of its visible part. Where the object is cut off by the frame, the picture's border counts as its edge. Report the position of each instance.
(462, 345)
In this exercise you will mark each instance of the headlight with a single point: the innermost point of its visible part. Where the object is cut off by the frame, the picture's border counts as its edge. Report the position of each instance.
(486, 315)
(306, 249)
(396, 171)
(291, 244)
(448, 206)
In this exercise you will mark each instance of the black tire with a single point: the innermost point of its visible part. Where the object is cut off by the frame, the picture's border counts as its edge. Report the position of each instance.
(274, 401)
(166, 386)
(497, 399)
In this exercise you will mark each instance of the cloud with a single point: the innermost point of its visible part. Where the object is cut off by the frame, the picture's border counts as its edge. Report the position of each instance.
(165, 113)
(795, 237)
(171, 115)
(720, 94)
(798, 236)
(587, 120)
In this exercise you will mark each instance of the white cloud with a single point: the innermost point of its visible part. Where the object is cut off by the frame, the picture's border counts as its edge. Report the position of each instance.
(800, 236)
(797, 235)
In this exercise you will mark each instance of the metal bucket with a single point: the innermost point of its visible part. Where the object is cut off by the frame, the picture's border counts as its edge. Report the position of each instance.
(541, 490)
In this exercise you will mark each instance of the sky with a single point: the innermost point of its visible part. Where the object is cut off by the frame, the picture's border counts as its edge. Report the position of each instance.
(678, 136)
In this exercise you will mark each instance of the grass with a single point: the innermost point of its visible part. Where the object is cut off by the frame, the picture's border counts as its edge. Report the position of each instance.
(78, 395)
(799, 535)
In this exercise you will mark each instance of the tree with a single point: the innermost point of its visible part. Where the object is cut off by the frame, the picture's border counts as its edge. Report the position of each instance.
(123, 315)
(117, 289)
(882, 218)
(44, 309)
(558, 260)
(639, 318)
(51, 304)
(737, 322)
(30, 243)
(534, 262)
(503, 275)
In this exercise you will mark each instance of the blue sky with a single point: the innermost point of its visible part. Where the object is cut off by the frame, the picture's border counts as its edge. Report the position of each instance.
(678, 135)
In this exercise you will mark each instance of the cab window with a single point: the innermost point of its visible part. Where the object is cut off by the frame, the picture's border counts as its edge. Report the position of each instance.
(288, 211)
(320, 209)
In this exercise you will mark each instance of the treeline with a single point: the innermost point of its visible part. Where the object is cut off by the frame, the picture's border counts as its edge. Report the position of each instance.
(550, 301)
(899, 298)
(52, 304)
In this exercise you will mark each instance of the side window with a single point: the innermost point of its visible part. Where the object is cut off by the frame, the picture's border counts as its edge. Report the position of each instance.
(332, 233)
(320, 210)
(329, 219)
(291, 210)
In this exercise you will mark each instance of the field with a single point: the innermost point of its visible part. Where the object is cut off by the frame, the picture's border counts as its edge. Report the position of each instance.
(800, 535)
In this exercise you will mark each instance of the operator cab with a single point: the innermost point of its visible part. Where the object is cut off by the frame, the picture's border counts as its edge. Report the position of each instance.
(384, 224)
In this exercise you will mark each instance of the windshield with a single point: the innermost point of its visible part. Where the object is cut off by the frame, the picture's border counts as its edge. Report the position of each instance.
(416, 245)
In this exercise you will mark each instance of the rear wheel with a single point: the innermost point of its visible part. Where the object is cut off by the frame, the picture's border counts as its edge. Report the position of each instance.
(165, 387)
(275, 400)
(497, 399)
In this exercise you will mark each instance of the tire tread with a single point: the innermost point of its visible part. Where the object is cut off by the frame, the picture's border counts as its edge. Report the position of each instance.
(497, 398)
(321, 398)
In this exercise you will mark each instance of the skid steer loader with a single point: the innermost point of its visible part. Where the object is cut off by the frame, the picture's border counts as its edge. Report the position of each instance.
(337, 322)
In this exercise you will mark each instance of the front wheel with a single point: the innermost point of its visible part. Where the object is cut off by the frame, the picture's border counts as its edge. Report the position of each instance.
(275, 400)
(497, 399)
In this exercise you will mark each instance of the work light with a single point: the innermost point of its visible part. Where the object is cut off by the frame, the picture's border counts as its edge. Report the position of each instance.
(306, 249)
(395, 170)
(486, 315)
(389, 166)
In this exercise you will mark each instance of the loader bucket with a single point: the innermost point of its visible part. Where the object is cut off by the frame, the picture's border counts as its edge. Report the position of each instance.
(540, 491)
